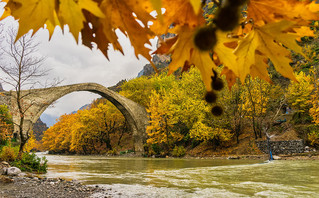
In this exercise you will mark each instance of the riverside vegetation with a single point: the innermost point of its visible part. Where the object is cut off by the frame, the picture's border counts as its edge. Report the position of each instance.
(9, 149)
(181, 122)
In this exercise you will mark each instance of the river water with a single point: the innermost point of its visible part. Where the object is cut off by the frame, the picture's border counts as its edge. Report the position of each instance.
(148, 177)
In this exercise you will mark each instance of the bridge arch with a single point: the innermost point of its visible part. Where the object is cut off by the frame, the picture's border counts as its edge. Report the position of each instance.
(41, 99)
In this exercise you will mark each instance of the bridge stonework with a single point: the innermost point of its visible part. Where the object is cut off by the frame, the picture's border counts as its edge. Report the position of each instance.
(40, 99)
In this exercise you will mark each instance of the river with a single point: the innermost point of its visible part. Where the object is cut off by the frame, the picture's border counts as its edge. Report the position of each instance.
(148, 177)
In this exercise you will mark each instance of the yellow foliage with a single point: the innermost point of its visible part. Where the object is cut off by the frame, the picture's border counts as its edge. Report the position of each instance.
(203, 132)
(255, 97)
(31, 143)
(299, 93)
(314, 110)
(85, 132)
(162, 120)
(7, 154)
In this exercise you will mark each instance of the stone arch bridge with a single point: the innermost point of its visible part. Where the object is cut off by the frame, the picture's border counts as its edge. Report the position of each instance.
(40, 99)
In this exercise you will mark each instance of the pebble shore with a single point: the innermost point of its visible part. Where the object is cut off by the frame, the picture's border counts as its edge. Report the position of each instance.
(31, 186)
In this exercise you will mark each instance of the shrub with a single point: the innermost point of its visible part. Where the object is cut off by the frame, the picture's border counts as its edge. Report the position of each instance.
(178, 151)
(31, 163)
(8, 154)
(112, 152)
(313, 135)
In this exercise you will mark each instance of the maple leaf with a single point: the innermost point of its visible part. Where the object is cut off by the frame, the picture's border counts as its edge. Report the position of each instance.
(269, 41)
(224, 52)
(157, 5)
(196, 5)
(7, 11)
(50, 25)
(259, 69)
(32, 14)
(245, 53)
(230, 76)
(120, 14)
(70, 12)
(96, 35)
(276, 31)
(185, 53)
(267, 11)
(178, 13)
(276, 53)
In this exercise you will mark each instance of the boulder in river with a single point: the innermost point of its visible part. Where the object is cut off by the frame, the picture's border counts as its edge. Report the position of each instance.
(13, 171)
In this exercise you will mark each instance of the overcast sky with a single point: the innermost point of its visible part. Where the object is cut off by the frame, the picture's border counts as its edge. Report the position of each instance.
(75, 63)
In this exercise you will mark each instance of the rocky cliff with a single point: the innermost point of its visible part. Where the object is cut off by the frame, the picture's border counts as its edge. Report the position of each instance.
(38, 128)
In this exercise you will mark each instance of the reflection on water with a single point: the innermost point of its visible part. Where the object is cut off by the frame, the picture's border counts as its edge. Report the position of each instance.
(144, 177)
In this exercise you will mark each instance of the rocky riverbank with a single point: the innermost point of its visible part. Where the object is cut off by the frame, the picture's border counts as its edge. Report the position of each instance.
(30, 185)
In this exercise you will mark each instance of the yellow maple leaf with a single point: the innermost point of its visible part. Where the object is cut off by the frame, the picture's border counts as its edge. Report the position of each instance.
(157, 5)
(225, 53)
(259, 69)
(178, 12)
(205, 64)
(276, 31)
(269, 41)
(245, 53)
(70, 12)
(32, 14)
(96, 35)
(120, 15)
(196, 5)
(276, 53)
(7, 11)
(50, 25)
(267, 11)
(184, 51)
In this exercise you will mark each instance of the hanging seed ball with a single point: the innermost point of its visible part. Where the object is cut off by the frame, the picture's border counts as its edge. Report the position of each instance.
(236, 3)
(205, 38)
(227, 18)
(218, 84)
(210, 97)
(217, 111)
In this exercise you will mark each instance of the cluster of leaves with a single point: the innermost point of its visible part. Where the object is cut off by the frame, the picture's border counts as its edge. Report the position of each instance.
(88, 131)
(268, 30)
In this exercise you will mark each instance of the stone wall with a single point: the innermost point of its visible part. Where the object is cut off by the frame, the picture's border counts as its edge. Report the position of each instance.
(282, 147)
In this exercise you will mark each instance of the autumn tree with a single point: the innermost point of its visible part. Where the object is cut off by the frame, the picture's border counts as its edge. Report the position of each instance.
(234, 112)
(299, 96)
(88, 131)
(162, 120)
